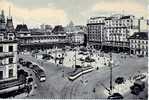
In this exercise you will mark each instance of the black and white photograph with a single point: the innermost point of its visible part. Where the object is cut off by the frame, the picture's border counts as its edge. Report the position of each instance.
(74, 49)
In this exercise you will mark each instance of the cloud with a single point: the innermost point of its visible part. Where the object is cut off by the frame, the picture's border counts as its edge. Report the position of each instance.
(119, 6)
(49, 15)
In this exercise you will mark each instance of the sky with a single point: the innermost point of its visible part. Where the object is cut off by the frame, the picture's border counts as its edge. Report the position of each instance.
(61, 12)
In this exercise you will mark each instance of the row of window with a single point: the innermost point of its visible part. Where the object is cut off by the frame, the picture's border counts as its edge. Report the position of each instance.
(139, 41)
(112, 21)
(10, 61)
(139, 46)
(10, 49)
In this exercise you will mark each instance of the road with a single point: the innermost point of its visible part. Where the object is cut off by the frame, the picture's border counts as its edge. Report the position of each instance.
(59, 87)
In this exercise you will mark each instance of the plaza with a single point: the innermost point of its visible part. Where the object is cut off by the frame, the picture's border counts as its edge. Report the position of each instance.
(83, 86)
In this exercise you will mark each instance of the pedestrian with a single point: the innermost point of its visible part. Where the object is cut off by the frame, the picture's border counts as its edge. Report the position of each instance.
(94, 90)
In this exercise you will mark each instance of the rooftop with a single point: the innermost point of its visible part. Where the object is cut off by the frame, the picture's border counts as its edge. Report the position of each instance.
(140, 36)
(21, 27)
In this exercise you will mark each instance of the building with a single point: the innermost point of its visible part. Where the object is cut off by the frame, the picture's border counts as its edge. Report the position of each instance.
(9, 79)
(139, 43)
(59, 29)
(117, 30)
(75, 38)
(22, 30)
(33, 42)
(95, 27)
(2, 22)
(112, 33)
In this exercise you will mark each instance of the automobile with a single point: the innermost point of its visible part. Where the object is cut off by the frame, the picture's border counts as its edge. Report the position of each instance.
(34, 66)
(140, 84)
(135, 90)
(137, 87)
(115, 96)
(140, 77)
(78, 66)
(28, 64)
(140, 55)
(24, 63)
(119, 80)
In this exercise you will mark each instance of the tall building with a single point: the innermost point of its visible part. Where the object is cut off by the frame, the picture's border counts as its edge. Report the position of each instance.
(95, 27)
(117, 30)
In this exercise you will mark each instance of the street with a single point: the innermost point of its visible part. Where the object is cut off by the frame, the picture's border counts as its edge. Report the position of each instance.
(57, 86)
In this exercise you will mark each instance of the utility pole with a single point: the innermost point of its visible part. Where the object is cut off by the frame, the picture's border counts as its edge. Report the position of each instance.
(75, 57)
(110, 65)
(63, 62)
(55, 53)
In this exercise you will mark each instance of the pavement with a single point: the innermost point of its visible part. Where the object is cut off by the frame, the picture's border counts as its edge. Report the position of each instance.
(59, 87)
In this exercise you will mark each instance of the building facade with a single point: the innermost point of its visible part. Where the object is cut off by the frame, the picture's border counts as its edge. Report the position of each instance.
(95, 27)
(113, 32)
(10, 79)
(75, 38)
(22, 30)
(8, 50)
(139, 43)
(117, 30)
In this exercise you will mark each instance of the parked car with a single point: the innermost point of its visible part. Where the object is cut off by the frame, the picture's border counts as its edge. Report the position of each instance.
(140, 55)
(135, 90)
(24, 63)
(115, 96)
(137, 87)
(34, 66)
(119, 80)
(28, 64)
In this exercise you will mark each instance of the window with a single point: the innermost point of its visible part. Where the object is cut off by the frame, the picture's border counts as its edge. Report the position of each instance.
(1, 62)
(1, 49)
(10, 73)
(10, 60)
(1, 75)
(10, 48)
